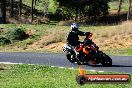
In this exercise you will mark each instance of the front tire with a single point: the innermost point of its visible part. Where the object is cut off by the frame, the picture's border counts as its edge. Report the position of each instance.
(70, 57)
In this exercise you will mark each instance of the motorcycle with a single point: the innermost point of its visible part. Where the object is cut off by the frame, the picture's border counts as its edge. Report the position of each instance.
(87, 53)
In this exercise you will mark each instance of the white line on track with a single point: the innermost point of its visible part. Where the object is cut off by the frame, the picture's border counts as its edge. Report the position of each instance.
(93, 70)
(72, 68)
(9, 63)
(100, 71)
(61, 67)
(52, 66)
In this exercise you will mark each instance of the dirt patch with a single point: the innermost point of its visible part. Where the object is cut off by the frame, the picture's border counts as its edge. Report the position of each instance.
(55, 47)
(116, 37)
(51, 41)
(107, 38)
(114, 42)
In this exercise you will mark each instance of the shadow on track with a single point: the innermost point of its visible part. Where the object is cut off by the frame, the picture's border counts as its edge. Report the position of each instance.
(111, 66)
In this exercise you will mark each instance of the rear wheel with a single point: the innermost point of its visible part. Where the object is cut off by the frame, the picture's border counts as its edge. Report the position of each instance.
(106, 61)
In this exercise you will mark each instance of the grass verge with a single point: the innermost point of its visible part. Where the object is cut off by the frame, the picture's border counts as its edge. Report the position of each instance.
(114, 39)
(114, 5)
(120, 52)
(34, 76)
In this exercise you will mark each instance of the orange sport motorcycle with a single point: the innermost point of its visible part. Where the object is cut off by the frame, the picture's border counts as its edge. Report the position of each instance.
(87, 53)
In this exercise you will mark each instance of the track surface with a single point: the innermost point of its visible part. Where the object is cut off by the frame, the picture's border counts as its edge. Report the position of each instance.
(120, 63)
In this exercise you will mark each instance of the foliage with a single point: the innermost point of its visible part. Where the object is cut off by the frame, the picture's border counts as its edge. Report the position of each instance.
(4, 41)
(52, 6)
(84, 8)
(17, 34)
(114, 0)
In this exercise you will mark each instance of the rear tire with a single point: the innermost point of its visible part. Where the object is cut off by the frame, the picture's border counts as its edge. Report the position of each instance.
(106, 61)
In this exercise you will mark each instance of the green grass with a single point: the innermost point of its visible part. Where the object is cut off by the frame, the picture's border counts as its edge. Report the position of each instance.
(41, 30)
(56, 33)
(52, 5)
(42, 5)
(38, 30)
(121, 52)
(34, 76)
(114, 5)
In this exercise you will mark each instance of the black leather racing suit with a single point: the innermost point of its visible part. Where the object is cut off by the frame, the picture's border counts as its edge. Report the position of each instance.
(72, 37)
(73, 40)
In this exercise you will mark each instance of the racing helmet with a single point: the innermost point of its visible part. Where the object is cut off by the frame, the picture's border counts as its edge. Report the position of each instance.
(74, 26)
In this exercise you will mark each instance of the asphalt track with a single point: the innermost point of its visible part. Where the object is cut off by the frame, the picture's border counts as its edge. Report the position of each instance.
(120, 63)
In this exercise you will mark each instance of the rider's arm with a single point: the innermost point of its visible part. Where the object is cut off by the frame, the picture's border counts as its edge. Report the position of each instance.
(81, 33)
(85, 42)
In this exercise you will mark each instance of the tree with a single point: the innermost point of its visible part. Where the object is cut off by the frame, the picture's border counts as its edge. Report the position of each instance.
(0, 8)
(70, 6)
(85, 8)
(3, 9)
(120, 4)
(96, 9)
(129, 10)
(32, 8)
(11, 8)
(20, 7)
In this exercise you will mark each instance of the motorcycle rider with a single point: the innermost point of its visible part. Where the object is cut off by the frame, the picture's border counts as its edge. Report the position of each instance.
(73, 37)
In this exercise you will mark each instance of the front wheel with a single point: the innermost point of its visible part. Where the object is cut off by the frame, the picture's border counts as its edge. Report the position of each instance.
(70, 57)
(106, 61)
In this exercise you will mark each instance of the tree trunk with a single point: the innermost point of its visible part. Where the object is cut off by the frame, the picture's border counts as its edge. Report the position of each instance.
(119, 8)
(32, 10)
(0, 9)
(129, 10)
(20, 7)
(3, 10)
(11, 8)
(76, 17)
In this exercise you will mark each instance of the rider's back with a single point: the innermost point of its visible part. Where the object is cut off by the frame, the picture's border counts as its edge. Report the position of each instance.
(72, 38)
